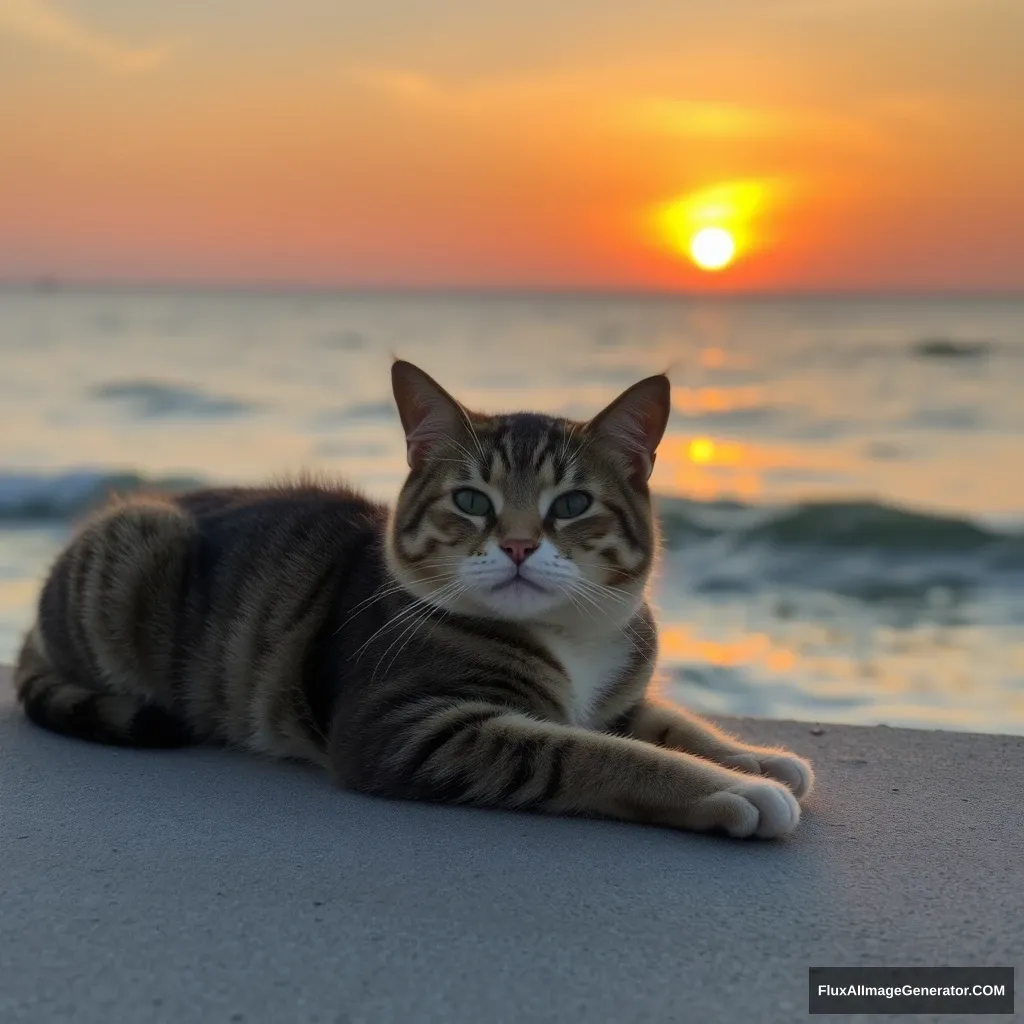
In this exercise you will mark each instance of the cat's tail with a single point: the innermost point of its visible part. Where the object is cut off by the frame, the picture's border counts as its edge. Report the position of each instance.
(73, 708)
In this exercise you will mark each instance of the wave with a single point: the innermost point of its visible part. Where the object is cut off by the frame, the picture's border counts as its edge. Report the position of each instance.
(871, 552)
(951, 348)
(338, 419)
(152, 399)
(27, 498)
(864, 525)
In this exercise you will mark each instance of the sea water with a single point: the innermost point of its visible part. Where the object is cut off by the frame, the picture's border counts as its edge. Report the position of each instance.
(841, 488)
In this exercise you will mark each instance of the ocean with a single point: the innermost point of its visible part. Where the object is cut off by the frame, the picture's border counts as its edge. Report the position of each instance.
(841, 488)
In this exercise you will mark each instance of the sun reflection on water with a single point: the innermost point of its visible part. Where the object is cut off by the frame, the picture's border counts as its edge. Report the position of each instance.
(680, 643)
(714, 400)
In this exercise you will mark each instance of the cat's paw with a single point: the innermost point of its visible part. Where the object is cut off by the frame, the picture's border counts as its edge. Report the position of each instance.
(751, 807)
(792, 771)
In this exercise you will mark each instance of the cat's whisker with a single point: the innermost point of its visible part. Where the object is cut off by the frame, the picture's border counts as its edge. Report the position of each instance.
(571, 598)
(638, 646)
(396, 588)
(419, 622)
(613, 593)
(459, 446)
(567, 436)
(449, 441)
(628, 631)
(418, 619)
(380, 595)
(402, 617)
(476, 438)
(597, 565)
(604, 586)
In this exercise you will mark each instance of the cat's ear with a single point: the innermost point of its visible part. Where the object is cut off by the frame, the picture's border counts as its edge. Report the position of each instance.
(428, 413)
(633, 425)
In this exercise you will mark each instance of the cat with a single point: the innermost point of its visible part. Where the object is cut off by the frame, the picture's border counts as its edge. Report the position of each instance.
(487, 641)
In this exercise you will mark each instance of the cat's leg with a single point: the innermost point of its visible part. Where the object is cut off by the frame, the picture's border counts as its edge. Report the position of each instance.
(477, 753)
(96, 664)
(86, 709)
(673, 727)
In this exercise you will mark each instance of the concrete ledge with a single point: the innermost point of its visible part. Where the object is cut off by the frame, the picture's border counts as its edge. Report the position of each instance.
(206, 885)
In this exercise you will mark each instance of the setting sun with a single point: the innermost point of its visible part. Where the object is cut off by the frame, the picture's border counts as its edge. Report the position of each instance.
(712, 248)
(715, 226)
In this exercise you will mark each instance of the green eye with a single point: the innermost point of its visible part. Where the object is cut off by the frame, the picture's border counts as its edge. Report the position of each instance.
(571, 504)
(472, 501)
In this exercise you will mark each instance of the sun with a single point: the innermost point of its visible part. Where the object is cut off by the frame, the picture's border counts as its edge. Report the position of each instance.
(714, 227)
(712, 248)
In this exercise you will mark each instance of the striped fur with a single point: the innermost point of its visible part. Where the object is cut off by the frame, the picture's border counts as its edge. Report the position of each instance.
(405, 649)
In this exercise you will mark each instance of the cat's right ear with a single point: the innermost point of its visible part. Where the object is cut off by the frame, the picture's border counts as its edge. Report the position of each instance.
(428, 413)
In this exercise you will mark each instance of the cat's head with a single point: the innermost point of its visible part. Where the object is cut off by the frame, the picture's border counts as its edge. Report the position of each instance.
(523, 516)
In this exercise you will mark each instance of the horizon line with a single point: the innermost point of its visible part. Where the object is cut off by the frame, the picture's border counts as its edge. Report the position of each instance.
(55, 283)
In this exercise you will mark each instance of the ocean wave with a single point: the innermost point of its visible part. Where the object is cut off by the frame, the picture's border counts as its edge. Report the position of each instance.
(865, 526)
(27, 498)
(153, 399)
(913, 564)
(951, 348)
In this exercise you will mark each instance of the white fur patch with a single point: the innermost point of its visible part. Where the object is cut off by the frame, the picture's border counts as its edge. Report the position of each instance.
(592, 664)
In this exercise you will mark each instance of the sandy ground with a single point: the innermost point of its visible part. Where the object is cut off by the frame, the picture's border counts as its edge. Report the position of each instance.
(205, 885)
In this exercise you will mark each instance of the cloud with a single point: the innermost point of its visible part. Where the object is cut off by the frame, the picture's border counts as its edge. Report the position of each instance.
(417, 90)
(38, 22)
(488, 95)
(409, 86)
(618, 107)
(660, 115)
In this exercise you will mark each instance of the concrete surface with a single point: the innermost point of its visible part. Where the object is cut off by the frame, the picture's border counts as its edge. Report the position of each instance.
(205, 885)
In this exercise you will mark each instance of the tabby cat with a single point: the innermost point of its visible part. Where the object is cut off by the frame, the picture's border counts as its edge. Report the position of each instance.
(487, 641)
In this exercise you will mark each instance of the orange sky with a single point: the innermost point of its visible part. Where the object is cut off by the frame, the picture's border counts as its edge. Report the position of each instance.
(872, 144)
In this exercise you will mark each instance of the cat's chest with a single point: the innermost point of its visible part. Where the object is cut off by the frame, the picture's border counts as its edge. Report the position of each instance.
(593, 668)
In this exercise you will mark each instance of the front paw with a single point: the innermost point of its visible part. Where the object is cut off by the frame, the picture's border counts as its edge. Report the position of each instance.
(749, 807)
(789, 769)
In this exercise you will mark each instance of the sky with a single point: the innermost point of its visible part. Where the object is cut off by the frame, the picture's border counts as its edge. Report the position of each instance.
(854, 145)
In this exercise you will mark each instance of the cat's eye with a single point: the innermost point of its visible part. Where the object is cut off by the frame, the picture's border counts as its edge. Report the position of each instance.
(472, 501)
(571, 504)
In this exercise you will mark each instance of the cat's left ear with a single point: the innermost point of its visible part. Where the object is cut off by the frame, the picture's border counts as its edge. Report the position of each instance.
(634, 424)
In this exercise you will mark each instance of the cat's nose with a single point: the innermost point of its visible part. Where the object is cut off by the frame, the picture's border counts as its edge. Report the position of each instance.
(519, 550)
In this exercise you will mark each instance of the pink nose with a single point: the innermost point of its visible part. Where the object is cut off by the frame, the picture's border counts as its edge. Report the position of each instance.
(519, 550)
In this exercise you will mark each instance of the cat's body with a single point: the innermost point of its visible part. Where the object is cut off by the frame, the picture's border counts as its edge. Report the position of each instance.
(486, 642)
